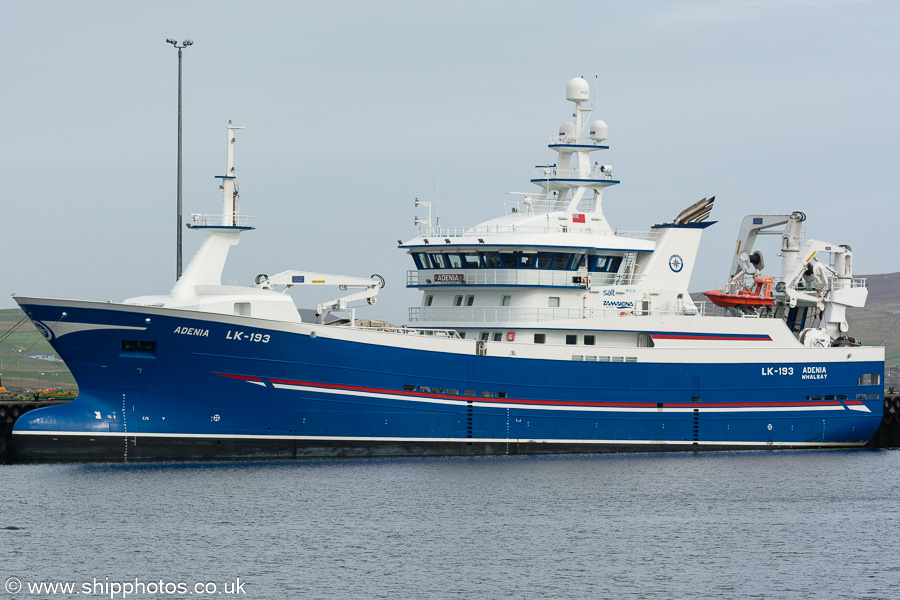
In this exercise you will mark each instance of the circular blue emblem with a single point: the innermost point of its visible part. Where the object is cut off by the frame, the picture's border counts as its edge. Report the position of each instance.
(676, 263)
(45, 331)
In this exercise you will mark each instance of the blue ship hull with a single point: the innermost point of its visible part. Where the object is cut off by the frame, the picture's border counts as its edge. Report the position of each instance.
(158, 384)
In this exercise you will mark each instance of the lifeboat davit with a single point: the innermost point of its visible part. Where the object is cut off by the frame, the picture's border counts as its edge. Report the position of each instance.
(761, 296)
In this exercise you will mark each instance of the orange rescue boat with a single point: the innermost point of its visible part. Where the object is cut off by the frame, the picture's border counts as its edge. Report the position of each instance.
(761, 296)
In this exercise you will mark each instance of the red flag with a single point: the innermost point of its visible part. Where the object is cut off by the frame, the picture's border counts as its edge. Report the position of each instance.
(578, 218)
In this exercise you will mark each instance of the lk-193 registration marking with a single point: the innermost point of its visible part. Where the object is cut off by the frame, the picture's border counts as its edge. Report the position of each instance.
(250, 337)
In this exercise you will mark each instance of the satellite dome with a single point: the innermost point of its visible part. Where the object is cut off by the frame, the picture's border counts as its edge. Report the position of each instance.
(578, 90)
(599, 131)
(567, 130)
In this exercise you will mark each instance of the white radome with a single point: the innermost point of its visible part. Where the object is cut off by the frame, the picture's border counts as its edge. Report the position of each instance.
(578, 90)
(599, 131)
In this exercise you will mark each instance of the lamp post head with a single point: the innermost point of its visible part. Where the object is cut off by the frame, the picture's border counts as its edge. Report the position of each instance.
(184, 44)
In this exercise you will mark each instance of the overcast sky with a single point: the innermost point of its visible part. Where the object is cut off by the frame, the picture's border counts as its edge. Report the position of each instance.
(771, 105)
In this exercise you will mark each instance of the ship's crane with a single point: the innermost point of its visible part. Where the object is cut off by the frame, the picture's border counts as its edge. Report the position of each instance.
(368, 288)
(807, 281)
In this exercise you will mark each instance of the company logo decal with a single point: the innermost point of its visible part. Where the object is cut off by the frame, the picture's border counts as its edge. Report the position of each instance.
(45, 331)
(676, 263)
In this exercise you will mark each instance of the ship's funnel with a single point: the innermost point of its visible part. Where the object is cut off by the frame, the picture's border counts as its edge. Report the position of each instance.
(695, 212)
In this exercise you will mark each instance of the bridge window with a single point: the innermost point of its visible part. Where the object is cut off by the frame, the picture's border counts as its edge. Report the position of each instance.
(470, 300)
(540, 338)
(604, 264)
(504, 301)
(577, 262)
(561, 260)
(553, 301)
(471, 260)
(497, 336)
(457, 301)
(495, 259)
(428, 300)
(589, 340)
(526, 260)
(571, 339)
(492, 260)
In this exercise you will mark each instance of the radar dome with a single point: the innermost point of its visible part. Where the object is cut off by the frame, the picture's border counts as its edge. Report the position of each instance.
(578, 90)
(567, 130)
(599, 131)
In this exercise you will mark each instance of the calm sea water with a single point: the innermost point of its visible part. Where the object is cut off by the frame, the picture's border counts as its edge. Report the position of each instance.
(733, 525)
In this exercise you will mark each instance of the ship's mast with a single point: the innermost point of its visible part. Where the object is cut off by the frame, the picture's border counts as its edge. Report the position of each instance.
(223, 231)
(229, 180)
(578, 176)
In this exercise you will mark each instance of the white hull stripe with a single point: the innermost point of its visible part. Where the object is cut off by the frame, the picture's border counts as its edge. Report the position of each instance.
(480, 402)
(434, 440)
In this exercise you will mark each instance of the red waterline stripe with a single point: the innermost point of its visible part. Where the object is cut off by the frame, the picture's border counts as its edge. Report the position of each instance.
(765, 338)
(481, 399)
(241, 377)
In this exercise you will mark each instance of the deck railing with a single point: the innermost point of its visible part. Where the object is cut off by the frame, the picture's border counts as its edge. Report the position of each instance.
(564, 226)
(523, 277)
(501, 314)
(441, 333)
(198, 220)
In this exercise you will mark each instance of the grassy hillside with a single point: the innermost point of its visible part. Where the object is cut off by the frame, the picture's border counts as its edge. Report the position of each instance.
(19, 372)
(878, 323)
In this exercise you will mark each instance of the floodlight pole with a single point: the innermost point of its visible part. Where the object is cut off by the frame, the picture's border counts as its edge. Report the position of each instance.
(178, 227)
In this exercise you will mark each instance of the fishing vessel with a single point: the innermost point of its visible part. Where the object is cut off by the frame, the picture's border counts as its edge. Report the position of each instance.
(543, 330)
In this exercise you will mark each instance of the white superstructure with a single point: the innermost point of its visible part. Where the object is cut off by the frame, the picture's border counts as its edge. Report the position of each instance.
(554, 270)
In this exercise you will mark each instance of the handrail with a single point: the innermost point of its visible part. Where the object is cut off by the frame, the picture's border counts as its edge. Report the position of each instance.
(514, 277)
(444, 333)
(198, 220)
(503, 314)
(480, 230)
(555, 173)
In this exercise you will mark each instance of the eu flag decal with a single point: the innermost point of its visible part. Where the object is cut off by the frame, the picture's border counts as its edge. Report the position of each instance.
(297, 279)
